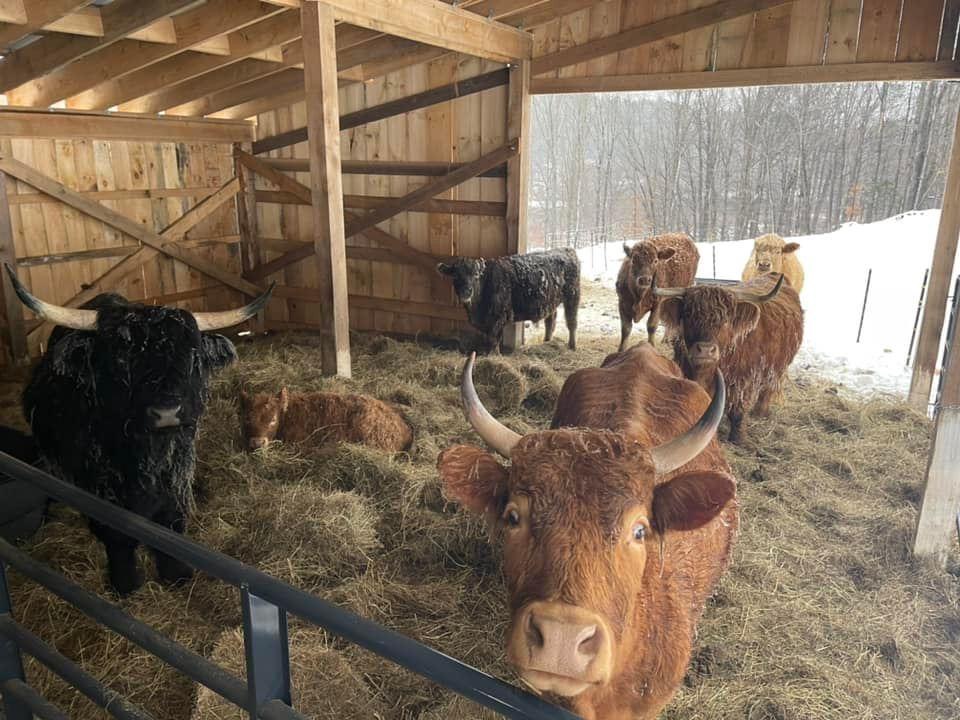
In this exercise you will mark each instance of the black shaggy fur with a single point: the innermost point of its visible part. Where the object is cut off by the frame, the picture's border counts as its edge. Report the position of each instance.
(89, 403)
(516, 288)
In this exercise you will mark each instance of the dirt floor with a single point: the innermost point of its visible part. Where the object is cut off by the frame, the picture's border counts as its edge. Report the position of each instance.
(824, 613)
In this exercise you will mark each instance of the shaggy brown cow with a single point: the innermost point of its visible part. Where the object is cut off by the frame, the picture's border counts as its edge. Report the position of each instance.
(772, 254)
(671, 259)
(322, 418)
(616, 524)
(751, 332)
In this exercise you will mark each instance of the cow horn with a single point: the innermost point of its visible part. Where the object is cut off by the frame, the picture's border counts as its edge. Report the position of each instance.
(219, 320)
(745, 296)
(77, 319)
(665, 292)
(684, 448)
(494, 433)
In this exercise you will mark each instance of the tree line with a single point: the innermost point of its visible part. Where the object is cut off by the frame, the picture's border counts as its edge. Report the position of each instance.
(726, 164)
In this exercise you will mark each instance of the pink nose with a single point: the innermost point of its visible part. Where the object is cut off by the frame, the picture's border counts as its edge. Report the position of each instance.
(255, 443)
(705, 351)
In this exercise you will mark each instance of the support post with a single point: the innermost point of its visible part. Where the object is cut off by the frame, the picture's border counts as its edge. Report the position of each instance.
(323, 133)
(936, 529)
(267, 652)
(518, 176)
(246, 202)
(11, 666)
(16, 333)
(931, 328)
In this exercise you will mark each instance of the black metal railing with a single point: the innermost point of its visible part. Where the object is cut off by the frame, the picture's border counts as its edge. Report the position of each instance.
(266, 602)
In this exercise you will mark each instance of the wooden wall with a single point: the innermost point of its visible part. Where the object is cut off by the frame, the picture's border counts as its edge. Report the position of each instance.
(153, 183)
(413, 299)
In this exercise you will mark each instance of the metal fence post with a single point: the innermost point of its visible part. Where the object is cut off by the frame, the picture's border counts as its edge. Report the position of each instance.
(11, 666)
(267, 650)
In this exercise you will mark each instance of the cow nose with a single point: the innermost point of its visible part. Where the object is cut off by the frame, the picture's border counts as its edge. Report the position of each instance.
(706, 351)
(764, 266)
(164, 417)
(564, 648)
(255, 443)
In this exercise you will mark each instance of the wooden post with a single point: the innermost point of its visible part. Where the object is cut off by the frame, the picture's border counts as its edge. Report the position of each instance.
(246, 202)
(928, 344)
(518, 175)
(323, 133)
(16, 335)
(936, 528)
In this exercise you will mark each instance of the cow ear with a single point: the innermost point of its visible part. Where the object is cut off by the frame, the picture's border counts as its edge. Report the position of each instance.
(790, 247)
(216, 351)
(691, 500)
(284, 399)
(745, 318)
(473, 478)
(666, 253)
(626, 249)
(670, 311)
(444, 269)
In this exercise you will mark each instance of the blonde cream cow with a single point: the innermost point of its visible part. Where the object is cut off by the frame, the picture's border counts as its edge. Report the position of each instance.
(772, 255)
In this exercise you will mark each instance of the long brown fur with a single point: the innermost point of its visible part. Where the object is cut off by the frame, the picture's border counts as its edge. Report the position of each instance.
(325, 418)
(579, 478)
(753, 358)
(634, 295)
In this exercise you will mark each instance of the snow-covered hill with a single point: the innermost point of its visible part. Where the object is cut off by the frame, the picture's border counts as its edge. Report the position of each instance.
(836, 264)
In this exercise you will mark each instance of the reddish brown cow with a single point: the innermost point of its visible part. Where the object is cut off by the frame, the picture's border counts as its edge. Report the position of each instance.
(750, 331)
(322, 418)
(671, 259)
(616, 524)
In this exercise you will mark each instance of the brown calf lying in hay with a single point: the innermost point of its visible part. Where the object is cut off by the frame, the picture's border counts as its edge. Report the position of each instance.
(322, 418)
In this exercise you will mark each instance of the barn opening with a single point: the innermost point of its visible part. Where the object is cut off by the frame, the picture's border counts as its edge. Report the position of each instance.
(187, 153)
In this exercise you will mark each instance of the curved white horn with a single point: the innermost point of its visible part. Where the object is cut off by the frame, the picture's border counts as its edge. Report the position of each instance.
(747, 296)
(494, 433)
(665, 292)
(219, 320)
(75, 318)
(684, 448)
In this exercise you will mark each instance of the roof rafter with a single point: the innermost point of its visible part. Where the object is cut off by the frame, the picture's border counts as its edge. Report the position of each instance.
(37, 16)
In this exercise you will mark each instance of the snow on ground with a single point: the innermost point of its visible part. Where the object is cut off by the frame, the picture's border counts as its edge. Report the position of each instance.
(898, 250)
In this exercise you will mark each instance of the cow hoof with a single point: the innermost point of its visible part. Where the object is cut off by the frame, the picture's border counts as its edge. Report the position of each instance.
(126, 583)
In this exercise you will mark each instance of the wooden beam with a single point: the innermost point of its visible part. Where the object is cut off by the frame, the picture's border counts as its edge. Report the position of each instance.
(792, 75)
(326, 189)
(16, 333)
(86, 21)
(383, 167)
(37, 16)
(108, 65)
(78, 256)
(30, 123)
(417, 101)
(941, 272)
(518, 178)
(366, 302)
(145, 194)
(436, 23)
(47, 54)
(668, 27)
(370, 202)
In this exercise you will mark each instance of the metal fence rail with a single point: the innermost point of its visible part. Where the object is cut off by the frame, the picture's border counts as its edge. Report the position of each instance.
(266, 601)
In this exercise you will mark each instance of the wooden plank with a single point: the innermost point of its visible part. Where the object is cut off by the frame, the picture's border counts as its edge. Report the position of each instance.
(38, 15)
(124, 224)
(148, 194)
(854, 72)
(948, 30)
(879, 28)
(385, 167)
(518, 178)
(436, 23)
(649, 33)
(941, 273)
(120, 18)
(77, 256)
(12, 11)
(326, 189)
(28, 123)
(394, 107)
(15, 331)
(86, 21)
(446, 312)
(369, 202)
(807, 39)
(844, 34)
(920, 30)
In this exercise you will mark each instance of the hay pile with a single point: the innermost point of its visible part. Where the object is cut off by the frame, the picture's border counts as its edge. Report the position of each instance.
(824, 614)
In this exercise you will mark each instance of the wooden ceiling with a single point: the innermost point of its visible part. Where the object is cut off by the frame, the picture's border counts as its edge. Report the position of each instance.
(232, 59)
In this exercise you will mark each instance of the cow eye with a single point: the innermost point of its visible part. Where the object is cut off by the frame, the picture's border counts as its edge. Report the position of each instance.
(512, 517)
(639, 532)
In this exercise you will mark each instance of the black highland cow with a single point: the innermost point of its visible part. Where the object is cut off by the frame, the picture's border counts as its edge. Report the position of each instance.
(516, 288)
(114, 406)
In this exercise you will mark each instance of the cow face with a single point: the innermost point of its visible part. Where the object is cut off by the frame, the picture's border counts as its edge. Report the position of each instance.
(261, 416)
(581, 517)
(467, 275)
(768, 252)
(644, 258)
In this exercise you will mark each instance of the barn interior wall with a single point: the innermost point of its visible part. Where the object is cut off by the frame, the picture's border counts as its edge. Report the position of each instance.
(153, 183)
(460, 130)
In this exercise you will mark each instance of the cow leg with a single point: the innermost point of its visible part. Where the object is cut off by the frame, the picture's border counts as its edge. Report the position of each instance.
(762, 408)
(653, 322)
(570, 306)
(736, 426)
(169, 569)
(549, 323)
(626, 327)
(122, 567)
